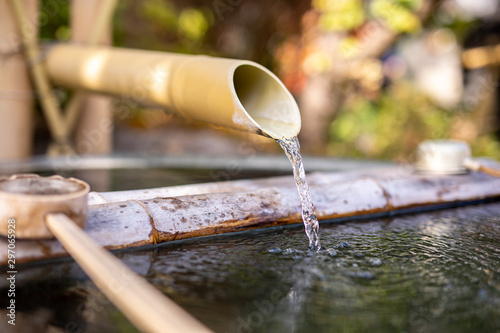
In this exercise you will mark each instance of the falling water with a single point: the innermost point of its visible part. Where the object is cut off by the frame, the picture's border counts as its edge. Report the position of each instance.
(292, 150)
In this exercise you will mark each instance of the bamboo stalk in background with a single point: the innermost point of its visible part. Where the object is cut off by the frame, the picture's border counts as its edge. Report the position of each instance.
(16, 91)
(93, 111)
(60, 125)
(48, 100)
(481, 57)
(89, 116)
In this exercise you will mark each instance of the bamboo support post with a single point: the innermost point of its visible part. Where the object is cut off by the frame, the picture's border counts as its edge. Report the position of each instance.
(90, 109)
(60, 124)
(481, 57)
(16, 91)
(48, 100)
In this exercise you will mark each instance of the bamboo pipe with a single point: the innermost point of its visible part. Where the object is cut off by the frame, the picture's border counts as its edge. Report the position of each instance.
(37, 207)
(237, 94)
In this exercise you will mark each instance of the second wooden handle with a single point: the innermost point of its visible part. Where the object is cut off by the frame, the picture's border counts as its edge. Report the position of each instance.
(144, 306)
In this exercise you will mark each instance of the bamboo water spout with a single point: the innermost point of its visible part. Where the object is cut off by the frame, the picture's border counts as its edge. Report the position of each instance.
(237, 94)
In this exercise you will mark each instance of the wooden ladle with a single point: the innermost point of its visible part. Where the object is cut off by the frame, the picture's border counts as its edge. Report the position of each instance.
(43, 207)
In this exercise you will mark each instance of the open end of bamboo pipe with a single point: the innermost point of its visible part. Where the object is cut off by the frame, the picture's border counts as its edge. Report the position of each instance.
(266, 101)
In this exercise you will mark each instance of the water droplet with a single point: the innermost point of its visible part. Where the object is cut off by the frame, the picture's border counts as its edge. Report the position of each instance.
(331, 252)
(344, 245)
(361, 275)
(375, 261)
(291, 251)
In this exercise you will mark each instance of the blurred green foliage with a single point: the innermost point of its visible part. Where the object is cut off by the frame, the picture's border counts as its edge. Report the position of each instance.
(54, 20)
(194, 23)
(392, 126)
(191, 23)
(486, 145)
(397, 14)
(340, 15)
(162, 13)
(389, 126)
(345, 15)
(163, 25)
(394, 123)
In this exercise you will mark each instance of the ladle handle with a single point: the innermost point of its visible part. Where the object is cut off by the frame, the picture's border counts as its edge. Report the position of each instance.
(477, 166)
(144, 306)
(489, 171)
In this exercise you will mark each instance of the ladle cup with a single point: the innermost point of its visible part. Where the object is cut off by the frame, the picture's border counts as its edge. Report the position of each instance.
(43, 207)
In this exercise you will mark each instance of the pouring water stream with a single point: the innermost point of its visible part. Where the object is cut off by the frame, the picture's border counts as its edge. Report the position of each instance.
(291, 147)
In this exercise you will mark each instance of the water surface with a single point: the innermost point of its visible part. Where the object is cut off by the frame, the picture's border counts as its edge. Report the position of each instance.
(430, 272)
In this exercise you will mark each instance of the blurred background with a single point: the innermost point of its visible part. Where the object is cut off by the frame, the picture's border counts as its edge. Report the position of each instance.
(372, 78)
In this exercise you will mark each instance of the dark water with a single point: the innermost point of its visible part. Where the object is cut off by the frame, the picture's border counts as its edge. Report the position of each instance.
(428, 272)
(130, 179)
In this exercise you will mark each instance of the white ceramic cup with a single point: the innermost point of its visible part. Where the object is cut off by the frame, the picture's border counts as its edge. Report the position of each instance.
(442, 157)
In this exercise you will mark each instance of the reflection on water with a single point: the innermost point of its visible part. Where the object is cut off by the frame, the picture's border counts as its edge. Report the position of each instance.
(102, 180)
(431, 272)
